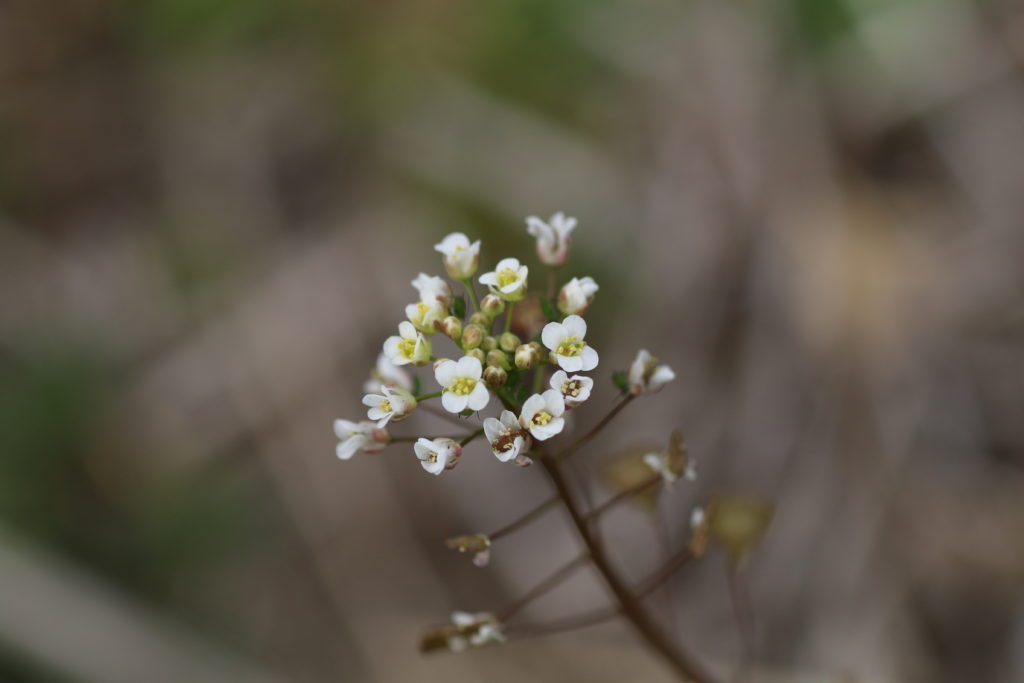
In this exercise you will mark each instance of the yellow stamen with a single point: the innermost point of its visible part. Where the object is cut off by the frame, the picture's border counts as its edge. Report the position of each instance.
(541, 418)
(407, 347)
(507, 276)
(462, 386)
(572, 388)
(570, 346)
(385, 405)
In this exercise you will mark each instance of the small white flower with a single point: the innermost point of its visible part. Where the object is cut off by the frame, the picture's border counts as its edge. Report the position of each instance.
(462, 386)
(575, 390)
(660, 464)
(386, 373)
(542, 414)
(505, 436)
(409, 346)
(646, 376)
(461, 258)
(576, 295)
(432, 289)
(565, 341)
(394, 403)
(552, 237)
(507, 280)
(480, 628)
(359, 436)
(482, 558)
(426, 317)
(438, 455)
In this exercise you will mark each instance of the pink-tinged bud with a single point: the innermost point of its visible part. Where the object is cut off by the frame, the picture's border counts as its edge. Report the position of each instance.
(452, 328)
(576, 296)
(492, 305)
(472, 335)
(495, 376)
(509, 342)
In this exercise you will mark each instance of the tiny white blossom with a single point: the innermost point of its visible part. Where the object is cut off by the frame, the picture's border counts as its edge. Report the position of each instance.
(432, 289)
(565, 341)
(461, 258)
(697, 517)
(576, 295)
(507, 280)
(646, 376)
(552, 237)
(660, 464)
(410, 346)
(462, 386)
(359, 436)
(426, 317)
(482, 558)
(394, 403)
(386, 373)
(438, 455)
(481, 628)
(505, 435)
(575, 390)
(542, 414)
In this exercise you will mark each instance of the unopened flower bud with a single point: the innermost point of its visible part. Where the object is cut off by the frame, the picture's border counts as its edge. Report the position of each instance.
(460, 257)
(478, 354)
(509, 342)
(495, 376)
(540, 354)
(438, 362)
(472, 335)
(576, 295)
(452, 328)
(480, 319)
(498, 358)
(492, 305)
(489, 343)
(524, 357)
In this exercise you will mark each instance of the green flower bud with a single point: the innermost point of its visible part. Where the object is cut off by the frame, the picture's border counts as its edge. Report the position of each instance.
(492, 305)
(472, 335)
(509, 342)
(476, 353)
(498, 358)
(489, 343)
(452, 327)
(495, 376)
(480, 319)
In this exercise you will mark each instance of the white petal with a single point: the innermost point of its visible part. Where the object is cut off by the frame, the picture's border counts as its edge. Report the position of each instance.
(454, 403)
(450, 242)
(479, 397)
(509, 419)
(423, 448)
(570, 363)
(662, 375)
(446, 372)
(346, 449)
(510, 263)
(373, 400)
(543, 432)
(552, 335)
(489, 279)
(469, 367)
(530, 408)
(554, 402)
(575, 326)
(558, 379)
(343, 429)
(588, 358)
(406, 330)
(586, 385)
(391, 348)
(493, 428)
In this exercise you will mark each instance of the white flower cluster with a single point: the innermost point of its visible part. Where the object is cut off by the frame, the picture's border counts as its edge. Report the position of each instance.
(491, 364)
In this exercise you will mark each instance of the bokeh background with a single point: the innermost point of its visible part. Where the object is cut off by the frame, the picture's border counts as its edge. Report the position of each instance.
(210, 211)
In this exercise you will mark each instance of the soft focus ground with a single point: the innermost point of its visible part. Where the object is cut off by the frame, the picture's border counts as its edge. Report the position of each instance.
(210, 211)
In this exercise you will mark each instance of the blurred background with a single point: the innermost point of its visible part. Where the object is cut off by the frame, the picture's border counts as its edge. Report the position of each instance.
(210, 212)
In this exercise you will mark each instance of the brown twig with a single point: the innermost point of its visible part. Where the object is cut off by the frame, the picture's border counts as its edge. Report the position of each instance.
(548, 584)
(525, 519)
(573, 447)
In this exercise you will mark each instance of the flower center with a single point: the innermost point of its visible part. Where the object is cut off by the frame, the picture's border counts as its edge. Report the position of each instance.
(570, 346)
(507, 276)
(505, 441)
(407, 347)
(432, 458)
(421, 310)
(462, 386)
(572, 388)
(385, 405)
(541, 418)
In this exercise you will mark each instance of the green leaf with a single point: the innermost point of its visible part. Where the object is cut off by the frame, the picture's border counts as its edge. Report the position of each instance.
(459, 307)
(550, 312)
(620, 380)
(466, 413)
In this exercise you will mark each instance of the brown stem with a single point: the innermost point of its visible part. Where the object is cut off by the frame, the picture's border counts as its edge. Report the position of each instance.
(525, 519)
(629, 603)
(571, 448)
(592, 618)
(623, 495)
(443, 414)
(470, 437)
(548, 584)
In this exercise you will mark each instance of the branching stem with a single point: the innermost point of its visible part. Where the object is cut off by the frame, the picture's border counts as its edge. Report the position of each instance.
(525, 519)
(573, 447)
